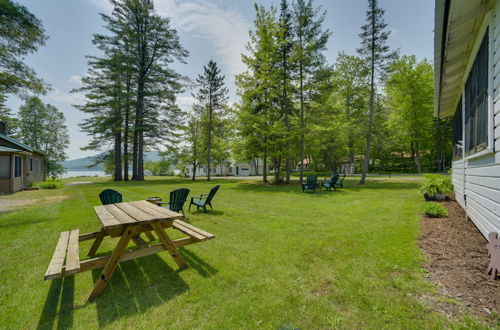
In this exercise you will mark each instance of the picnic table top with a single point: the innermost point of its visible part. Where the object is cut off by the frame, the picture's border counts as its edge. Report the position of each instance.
(117, 215)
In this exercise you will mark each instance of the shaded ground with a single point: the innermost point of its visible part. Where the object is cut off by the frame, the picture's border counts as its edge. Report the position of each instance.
(457, 260)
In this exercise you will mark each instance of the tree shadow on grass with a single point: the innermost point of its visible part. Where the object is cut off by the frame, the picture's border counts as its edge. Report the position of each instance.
(63, 290)
(349, 187)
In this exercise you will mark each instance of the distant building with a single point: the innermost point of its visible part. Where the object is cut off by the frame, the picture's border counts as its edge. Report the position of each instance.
(233, 168)
(467, 89)
(20, 165)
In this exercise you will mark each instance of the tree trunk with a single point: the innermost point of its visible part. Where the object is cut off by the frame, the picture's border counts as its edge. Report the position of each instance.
(366, 161)
(256, 162)
(302, 122)
(126, 131)
(209, 142)
(417, 157)
(194, 171)
(118, 156)
(264, 170)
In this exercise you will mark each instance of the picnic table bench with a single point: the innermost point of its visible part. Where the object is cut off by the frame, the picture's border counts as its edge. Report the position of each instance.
(126, 221)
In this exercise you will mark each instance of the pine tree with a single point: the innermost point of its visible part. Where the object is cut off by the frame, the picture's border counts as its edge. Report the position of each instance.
(377, 55)
(212, 98)
(309, 47)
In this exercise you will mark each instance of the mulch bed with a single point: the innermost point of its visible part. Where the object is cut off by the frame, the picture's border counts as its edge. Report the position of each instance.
(456, 261)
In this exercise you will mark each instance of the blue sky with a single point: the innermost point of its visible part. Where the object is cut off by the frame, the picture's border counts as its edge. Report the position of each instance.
(209, 29)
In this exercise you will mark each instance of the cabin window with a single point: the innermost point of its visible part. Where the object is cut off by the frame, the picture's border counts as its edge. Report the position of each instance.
(476, 102)
(17, 166)
(457, 131)
(31, 164)
(4, 167)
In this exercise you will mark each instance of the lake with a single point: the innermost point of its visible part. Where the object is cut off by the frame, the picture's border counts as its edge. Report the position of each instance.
(83, 173)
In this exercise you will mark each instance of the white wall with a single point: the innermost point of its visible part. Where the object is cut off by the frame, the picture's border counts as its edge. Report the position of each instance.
(477, 179)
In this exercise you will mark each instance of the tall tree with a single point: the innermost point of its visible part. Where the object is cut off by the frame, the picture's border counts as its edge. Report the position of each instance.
(42, 126)
(21, 33)
(257, 87)
(309, 47)
(192, 153)
(211, 100)
(136, 56)
(410, 87)
(285, 53)
(377, 55)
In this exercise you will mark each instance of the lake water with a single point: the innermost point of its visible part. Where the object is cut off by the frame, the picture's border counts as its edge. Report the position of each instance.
(83, 173)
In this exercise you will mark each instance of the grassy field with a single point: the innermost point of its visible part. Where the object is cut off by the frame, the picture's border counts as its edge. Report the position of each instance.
(281, 259)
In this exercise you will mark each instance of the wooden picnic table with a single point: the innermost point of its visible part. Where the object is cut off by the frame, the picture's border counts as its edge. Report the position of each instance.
(127, 221)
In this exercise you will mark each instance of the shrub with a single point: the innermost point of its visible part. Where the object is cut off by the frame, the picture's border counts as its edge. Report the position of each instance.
(436, 184)
(52, 184)
(435, 210)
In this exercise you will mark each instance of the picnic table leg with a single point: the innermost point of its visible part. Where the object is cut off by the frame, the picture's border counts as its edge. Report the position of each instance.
(149, 235)
(108, 270)
(167, 242)
(95, 246)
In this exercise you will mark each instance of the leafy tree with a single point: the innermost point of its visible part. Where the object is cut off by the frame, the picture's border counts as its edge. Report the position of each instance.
(211, 100)
(377, 55)
(21, 33)
(159, 167)
(192, 152)
(309, 47)
(410, 87)
(42, 126)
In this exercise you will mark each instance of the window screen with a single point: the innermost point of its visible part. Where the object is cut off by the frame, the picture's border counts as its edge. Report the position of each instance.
(4, 167)
(476, 101)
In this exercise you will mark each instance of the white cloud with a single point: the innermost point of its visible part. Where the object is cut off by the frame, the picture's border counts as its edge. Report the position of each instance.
(57, 95)
(75, 80)
(226, 29)
(102, 4)
(185, 102)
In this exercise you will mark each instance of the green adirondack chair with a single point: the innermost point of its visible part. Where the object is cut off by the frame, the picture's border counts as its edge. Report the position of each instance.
(177, 199)
(311, 183)
(204, 199)
(329, 184)
(110, 196)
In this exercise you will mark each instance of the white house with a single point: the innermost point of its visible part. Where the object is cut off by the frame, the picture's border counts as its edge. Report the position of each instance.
(233, 168)
(467, 88)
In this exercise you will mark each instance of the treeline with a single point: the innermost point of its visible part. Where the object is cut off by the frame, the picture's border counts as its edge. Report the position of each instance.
(370, 111)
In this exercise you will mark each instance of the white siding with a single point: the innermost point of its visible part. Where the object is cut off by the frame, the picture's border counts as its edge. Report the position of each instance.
(481, 184)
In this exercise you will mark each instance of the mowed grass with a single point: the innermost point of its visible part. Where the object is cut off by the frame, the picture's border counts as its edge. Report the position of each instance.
(281, 259)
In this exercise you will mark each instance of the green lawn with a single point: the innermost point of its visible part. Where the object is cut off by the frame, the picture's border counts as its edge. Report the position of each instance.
(281, 259)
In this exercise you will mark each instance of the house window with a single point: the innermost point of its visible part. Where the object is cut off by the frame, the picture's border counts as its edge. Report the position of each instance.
(457, 131)
(31, 164)
(4, 167)
(476, 102)
(230, 170)
(17, 166)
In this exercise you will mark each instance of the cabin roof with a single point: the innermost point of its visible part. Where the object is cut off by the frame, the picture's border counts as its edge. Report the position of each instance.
(17, 143)
(457, 24)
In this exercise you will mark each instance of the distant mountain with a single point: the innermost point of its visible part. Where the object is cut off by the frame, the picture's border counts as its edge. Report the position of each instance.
(82, 164)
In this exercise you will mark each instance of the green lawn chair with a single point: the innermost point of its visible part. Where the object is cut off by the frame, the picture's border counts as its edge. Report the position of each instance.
(177, 199)
(329, 184)
(204, 199)
(110, 196)
(311, 183)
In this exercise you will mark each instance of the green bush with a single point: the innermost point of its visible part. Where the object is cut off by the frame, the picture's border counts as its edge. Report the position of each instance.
(435, 210)
(52, 184)
(436, 184)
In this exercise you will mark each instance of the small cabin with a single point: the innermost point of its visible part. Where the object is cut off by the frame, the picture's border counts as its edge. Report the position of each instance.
(20, 165)
(467, 89)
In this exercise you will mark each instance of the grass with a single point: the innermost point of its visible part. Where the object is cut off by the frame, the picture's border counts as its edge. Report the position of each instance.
(282, 259)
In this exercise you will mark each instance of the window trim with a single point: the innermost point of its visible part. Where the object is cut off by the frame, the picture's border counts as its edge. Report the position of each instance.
(20, 167)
